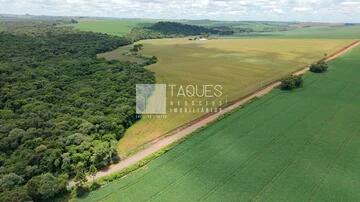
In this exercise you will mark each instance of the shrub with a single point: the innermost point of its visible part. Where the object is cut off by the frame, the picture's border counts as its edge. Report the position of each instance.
(150, 61)
(137, 47)
(319, 67)
(291, 82)
(80, 191)
(94, 186)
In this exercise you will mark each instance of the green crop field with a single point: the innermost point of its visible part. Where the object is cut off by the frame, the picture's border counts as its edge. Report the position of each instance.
(320, 32)
(240, 66)
(256, 26)
(287, 146)
(115, 27)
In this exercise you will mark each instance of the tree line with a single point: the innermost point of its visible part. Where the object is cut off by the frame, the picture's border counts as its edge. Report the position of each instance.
(174, 29)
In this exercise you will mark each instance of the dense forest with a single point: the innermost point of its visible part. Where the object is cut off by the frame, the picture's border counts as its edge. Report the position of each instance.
(62, 110)
(174, 28)
(171, 29)
(140, 33)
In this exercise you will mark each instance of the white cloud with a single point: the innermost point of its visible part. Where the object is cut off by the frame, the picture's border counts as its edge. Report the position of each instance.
(278, 10)
(285, 10)
(350, 3)
(301, 9)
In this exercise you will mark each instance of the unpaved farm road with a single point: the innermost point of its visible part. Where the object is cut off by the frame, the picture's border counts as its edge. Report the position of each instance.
(184, 131)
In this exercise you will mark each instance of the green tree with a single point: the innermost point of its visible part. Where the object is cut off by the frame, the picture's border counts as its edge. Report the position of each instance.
(291, 82)
(80, 180)
(10, 181)
(137, 48)
(92, 171)
(15, 195)
(80, 177)
(44, 186)
(319, 67)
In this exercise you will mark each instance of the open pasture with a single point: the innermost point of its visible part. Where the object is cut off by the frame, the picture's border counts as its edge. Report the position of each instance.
(287, 146)
(117, 27)
(239, 66)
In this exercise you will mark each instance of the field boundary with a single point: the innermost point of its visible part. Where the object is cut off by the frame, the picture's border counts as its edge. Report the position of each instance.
(154, 147)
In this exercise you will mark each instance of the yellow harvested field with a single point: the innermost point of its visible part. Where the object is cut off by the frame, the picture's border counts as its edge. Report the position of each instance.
(240, 66)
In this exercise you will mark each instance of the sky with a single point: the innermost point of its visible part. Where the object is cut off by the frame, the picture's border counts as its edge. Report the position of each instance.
(265, 10)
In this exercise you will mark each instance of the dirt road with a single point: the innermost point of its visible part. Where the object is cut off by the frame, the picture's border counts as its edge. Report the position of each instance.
(193, 126)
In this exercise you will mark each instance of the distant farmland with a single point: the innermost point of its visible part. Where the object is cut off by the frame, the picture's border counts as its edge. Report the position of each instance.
(287, 146)
(314, 32)
(120, 27)
(339, 32)
(240, 66)
(114, 27)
